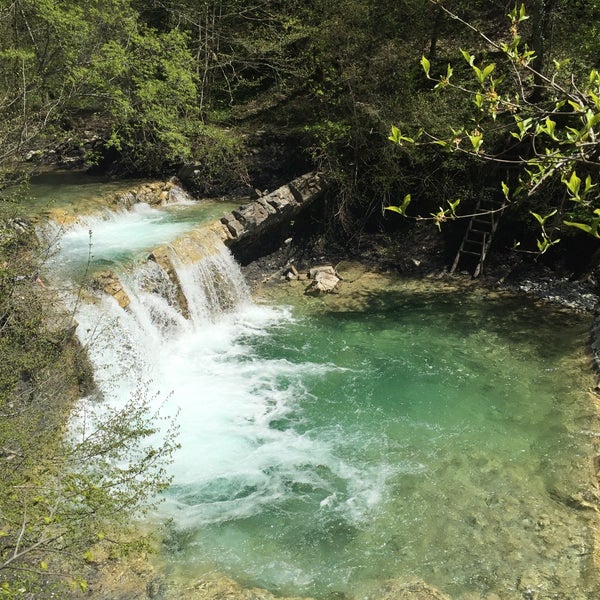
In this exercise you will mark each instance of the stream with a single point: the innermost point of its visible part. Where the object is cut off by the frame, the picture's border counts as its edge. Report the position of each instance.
(327, 447)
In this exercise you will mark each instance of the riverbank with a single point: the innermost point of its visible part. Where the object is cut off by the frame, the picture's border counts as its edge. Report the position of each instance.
(422, 254)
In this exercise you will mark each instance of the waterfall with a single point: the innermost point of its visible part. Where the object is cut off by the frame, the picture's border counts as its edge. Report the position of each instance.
(189, 330)
(180, 287)
(323, 454)
(326, 451)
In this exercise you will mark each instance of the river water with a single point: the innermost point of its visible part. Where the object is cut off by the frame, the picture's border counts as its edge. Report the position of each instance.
(327, 446)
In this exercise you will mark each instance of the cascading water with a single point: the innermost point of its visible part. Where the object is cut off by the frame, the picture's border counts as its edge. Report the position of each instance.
(328, 452)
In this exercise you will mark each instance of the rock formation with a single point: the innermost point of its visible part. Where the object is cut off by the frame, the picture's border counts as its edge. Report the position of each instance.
(246, 226)
(243, 228)
(159, 193)
(109, 283)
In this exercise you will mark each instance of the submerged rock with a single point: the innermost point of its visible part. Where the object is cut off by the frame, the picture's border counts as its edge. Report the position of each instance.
(413, 590)
(139, 580)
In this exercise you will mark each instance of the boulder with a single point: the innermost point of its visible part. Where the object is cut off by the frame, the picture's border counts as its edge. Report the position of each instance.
(109, 283)
(325, 280)
(234, 227)
(163, 258)
(326, 269)
(249, 226)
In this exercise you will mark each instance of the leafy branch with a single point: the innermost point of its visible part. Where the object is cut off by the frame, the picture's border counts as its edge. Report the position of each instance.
(555, 139)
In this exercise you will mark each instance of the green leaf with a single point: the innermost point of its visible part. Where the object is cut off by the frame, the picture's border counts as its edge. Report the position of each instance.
(573, 184)
(543, 245)
(505, 190)
(538, 217)
(468, 57)
(476, 140)
(453, 206)
(524, 126)
(426, 65)
(549, 128)
(522, 14)
(592, 119)
(406, 202)
(559, 64)
(396, 209)
(488, 70)
(583, 226)
(576, 106)
(395, 135)
(542, 220)
(588, 184)
(402, 208)
(573, 135)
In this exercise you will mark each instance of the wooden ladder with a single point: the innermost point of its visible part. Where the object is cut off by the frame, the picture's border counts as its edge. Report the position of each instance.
(480, 231)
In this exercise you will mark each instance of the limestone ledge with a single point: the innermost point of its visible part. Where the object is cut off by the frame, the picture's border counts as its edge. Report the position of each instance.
(109, 283)
(248, 222)
(158, 193)
(270, 210)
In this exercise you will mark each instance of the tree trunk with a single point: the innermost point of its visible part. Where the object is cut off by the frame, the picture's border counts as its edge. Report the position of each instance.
(435, 31)
(541, 42)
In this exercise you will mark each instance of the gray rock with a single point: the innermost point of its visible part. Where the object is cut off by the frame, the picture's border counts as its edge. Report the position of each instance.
(324, 281)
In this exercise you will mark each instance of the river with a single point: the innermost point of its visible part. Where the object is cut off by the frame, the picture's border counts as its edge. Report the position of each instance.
(417, 432)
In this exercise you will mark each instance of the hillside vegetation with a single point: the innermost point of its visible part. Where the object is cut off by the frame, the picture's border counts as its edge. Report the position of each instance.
(143, 87)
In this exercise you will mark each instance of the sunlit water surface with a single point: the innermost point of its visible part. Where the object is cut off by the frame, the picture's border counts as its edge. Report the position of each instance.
(423, 435)
(437, 437)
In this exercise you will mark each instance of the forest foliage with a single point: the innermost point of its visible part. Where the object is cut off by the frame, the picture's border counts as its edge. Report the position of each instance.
(74, 473)
(539, 122)
(166, 81)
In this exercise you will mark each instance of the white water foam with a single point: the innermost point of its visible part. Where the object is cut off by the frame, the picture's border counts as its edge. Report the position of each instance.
(236, 458)
(112, 238)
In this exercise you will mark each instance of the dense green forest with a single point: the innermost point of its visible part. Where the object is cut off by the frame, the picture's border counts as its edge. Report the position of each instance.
(140, 88)
(396, 102)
